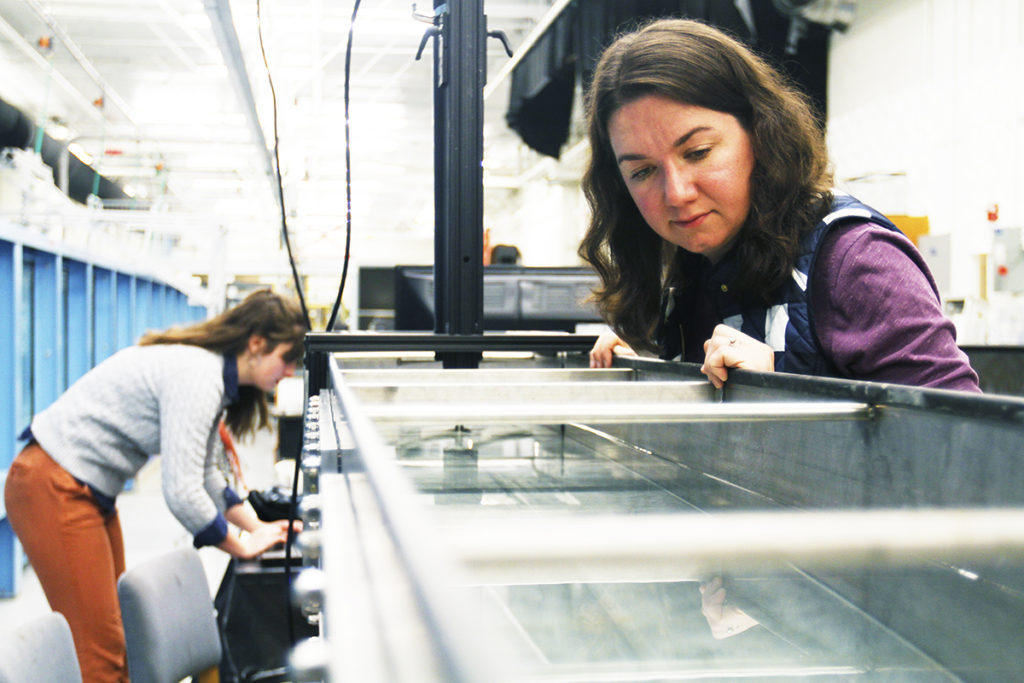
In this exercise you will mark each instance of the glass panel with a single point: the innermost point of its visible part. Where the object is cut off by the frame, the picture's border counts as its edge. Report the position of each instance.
(766, 623)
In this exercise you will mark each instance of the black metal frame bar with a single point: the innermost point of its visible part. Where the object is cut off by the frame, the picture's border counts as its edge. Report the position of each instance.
(460, 68)
(319, 346)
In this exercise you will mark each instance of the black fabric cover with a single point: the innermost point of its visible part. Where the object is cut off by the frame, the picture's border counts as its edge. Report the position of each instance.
(253, 609)
(540, 95)
(543, 83)
(15, 128)
(806, 62)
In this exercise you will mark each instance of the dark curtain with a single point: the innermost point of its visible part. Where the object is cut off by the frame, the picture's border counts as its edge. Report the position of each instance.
(541, 91)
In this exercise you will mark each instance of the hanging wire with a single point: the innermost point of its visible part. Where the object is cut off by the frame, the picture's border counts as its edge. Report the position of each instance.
(292, 508)
(348, 171)
(277, 168)
(45, 44)
(290, 539)
(101, 102)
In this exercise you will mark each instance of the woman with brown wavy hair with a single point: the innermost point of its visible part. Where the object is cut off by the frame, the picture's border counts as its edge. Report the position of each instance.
(165, 396)
(717, 235)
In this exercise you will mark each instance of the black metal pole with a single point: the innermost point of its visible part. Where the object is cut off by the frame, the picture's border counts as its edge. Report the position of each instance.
(460, 75)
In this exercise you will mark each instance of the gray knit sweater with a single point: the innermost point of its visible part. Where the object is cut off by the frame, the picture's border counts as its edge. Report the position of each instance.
(140, 402)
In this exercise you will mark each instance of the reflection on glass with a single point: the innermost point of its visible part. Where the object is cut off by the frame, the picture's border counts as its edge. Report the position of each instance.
(724, 618)
(782, 626)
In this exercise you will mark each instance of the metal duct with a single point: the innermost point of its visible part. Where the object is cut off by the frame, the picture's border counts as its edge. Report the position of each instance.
(17, 130)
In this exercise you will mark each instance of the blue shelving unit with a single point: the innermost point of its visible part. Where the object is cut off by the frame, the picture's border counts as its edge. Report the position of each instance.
(77, 335)
(104, 312)
(9, 389)
(63, 313)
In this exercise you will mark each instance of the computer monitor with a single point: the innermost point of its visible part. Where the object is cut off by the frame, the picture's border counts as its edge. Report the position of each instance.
(515, 298)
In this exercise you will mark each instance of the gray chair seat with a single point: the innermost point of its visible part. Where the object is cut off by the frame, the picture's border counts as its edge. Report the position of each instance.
(169, 622)
(40, 650)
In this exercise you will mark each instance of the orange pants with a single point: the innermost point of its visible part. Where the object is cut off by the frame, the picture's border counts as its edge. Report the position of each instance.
(77, 552)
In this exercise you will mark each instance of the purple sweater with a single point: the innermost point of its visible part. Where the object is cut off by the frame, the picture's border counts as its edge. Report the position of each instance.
(878, 315)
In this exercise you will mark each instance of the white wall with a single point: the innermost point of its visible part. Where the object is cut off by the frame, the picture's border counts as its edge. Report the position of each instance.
(546, 220)
(925, 99)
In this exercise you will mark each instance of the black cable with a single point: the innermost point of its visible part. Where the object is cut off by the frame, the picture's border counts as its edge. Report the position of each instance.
(292, 513)
(309, 326)
(277, 169)
(348, 172)
(292, 508)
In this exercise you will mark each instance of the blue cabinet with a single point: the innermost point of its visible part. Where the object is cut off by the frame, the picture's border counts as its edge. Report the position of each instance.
(62, 314)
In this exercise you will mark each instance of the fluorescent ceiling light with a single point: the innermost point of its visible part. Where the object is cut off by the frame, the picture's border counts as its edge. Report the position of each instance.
(80, 152)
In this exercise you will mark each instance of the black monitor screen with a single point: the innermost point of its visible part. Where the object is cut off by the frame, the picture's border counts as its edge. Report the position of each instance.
(515, 298)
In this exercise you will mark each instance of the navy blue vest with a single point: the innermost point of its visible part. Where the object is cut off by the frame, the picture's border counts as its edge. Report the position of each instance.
(786, 324)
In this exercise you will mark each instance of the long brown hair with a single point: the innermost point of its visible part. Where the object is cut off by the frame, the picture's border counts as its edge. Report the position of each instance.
(264, 313)
(696, 64)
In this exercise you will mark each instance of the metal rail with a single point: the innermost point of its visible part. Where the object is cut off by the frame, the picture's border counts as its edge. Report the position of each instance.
(611, 413)
(680, 547)
(403, 528)
(406, 375)
(327, 342)
(321, 344)
(507, 391)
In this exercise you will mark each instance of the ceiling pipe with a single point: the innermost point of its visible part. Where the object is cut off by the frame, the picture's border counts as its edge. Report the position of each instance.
(74, 177)
(76, 52)
(26, 48)
(200, 39)
(219, 12)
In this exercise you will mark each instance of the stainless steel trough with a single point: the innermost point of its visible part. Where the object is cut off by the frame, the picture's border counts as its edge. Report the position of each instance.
(634, 524)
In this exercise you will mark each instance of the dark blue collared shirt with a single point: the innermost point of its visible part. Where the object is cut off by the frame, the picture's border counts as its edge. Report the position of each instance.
(231, 378)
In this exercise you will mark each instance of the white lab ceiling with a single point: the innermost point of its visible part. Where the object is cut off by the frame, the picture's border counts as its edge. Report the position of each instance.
(151, 93)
